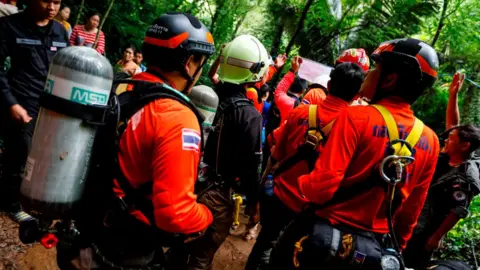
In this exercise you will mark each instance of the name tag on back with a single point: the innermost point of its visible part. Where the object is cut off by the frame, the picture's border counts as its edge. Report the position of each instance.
(26, 41)
(59, 44)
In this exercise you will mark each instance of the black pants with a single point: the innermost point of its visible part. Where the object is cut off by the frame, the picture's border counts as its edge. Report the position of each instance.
(198, 255)
(415, 255)
(325, 247)
(17, 139)
(274, 217)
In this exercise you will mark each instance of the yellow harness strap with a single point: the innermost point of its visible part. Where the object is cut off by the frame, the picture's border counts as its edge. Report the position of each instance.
(313, 130)
(412, 138)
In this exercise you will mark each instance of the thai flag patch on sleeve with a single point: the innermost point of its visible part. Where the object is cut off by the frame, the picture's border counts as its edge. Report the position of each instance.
(190, 139)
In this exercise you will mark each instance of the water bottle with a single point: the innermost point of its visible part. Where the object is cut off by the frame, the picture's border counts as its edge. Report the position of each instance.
(263, 137)
(269, 185)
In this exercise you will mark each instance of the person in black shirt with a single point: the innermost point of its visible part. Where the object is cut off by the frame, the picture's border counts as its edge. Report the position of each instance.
(31, 39)
(456, 181)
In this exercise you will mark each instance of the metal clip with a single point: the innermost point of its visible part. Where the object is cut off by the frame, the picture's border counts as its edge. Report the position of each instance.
(399, 162)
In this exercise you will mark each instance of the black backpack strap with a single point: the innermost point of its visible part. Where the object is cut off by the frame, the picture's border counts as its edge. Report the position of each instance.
(91, 114)
(230, 104)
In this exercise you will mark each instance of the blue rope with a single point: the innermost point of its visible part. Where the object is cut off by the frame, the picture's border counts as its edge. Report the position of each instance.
(467, 79)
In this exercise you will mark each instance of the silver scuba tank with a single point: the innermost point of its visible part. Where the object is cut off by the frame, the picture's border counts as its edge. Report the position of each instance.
(206, 101)
(58, 163)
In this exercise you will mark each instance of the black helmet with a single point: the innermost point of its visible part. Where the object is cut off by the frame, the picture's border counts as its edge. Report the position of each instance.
(174, 37)
(412, 56)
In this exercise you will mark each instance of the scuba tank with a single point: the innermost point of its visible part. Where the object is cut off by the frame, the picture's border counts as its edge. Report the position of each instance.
(78, 87)
(206, 101)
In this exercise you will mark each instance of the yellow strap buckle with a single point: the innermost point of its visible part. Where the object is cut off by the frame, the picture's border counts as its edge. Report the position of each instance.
(313, 138)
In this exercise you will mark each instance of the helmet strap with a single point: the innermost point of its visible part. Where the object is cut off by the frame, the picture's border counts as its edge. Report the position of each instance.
(379, 94)
(191, 79)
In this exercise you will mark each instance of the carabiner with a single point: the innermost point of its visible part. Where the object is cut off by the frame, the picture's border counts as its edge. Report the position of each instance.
(399, 162)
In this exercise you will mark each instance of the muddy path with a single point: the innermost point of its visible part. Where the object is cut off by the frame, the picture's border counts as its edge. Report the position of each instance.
(14, 255)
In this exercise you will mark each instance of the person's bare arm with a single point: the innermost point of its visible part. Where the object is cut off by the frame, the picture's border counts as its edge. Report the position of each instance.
(212, 73)
(453, 113)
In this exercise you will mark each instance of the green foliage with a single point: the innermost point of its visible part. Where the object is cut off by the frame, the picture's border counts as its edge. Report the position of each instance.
(463, 241)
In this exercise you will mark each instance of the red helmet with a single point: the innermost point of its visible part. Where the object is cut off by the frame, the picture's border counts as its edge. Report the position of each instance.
(357, 56)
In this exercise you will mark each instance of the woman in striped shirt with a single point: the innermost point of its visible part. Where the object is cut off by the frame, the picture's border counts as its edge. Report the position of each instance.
(85, 35)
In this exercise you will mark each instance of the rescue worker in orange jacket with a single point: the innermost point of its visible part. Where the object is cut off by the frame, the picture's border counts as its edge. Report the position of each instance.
(352, 230)
(279, 209)
(318, 89)
(161, 145)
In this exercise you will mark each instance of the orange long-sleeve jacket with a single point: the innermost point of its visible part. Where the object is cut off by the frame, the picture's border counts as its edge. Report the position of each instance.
(289, 137)
(314, 96)
(356, 145)
(162, 144)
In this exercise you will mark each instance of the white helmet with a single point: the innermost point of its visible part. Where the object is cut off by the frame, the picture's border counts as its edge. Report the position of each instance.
(243, 60)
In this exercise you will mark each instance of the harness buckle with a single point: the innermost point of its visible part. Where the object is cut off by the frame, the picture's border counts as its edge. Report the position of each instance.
(312, 140)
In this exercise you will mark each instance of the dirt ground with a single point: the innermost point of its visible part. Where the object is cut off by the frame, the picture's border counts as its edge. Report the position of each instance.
(14, 255)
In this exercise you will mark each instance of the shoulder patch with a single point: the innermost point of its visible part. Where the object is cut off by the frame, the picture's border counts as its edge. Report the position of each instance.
(190, 140)
(136, 118)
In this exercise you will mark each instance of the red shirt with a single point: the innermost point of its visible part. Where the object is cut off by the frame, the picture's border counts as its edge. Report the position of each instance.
(284, 102)
(88, 38)
(162, 143)
(290, 136)
(356, 145)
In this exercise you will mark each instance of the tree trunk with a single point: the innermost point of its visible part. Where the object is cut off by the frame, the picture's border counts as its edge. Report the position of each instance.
(217, 13)
(441, 22)
(110, 6)
(277, 39)
(239, 23)
(471, 114)
(299, 26)
(80, 9)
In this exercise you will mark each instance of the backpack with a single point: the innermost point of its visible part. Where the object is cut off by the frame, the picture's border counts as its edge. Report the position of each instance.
(211, 156)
